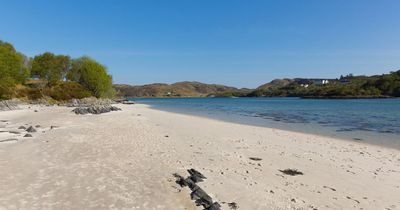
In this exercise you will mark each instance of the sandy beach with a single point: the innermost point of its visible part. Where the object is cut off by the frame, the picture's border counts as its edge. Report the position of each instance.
(126, 160)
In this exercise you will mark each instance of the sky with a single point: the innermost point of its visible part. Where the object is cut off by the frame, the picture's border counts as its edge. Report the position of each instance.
(242, 43)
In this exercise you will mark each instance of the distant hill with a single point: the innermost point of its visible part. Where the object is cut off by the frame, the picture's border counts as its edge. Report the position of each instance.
(179, 89)
(276, 83)
(376, 86)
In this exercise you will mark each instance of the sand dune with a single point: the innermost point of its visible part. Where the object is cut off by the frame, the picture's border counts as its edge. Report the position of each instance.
(125, 160)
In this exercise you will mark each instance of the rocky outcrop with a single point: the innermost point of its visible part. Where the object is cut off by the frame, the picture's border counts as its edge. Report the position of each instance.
(88, 102)
(9, 105)
(95, 109)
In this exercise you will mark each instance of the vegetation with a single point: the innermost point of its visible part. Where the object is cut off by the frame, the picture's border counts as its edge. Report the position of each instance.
(12, 69)
(386, 85)
(180, 89)
(91, 75)
(57, 77)
(50, 67)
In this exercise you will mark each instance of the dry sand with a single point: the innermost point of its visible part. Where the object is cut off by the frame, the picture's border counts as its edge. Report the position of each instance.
(125, 160)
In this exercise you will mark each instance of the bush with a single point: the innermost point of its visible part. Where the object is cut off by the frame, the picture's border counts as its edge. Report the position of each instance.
(67, 90)
(93, 76)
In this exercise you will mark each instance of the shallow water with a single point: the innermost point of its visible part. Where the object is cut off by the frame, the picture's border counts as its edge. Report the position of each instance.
(374, 121)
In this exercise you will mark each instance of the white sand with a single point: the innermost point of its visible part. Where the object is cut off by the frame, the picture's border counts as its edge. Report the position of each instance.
(123, 160)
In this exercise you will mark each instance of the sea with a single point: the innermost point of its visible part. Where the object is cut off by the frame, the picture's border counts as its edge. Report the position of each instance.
(374, 121)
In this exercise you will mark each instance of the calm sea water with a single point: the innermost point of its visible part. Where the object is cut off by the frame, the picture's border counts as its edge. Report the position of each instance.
(374, 121)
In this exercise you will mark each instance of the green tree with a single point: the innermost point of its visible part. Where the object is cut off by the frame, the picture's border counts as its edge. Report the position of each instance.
(50, 67)
(12, 69)
(91, 75)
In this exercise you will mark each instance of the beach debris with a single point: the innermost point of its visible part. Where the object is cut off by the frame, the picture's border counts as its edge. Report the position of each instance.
(31, 129)
(95, 110)
(200, 197)
(35, 110)
(255, 158)
(291, 172)
(22, 127)
(28, 135)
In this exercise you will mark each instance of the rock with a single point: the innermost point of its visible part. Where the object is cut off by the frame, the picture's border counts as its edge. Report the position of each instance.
(291, 172)
(35, 110)
(201, 197)
(22, 127)
(87, 102)
(255, 158)
(53, 127)
(6, 105)
(28, 135)
(95, 109)
(31, 129)
(214, 206)
(38, 126)
(233, 205)
(196, 176)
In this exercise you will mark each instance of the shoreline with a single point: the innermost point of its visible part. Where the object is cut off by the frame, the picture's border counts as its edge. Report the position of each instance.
(351, 139)
(125, 159)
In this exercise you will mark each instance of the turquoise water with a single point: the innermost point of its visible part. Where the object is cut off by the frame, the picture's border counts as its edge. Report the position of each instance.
(374, 121)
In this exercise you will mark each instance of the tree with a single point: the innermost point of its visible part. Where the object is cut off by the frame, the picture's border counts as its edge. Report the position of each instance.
(50, 67)
(12, 69)
(91, 75)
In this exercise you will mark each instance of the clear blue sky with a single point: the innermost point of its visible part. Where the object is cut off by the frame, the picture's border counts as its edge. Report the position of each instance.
(241, 43)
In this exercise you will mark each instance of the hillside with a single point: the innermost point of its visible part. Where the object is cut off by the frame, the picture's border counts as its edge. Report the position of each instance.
(376, 86)
(179, 89)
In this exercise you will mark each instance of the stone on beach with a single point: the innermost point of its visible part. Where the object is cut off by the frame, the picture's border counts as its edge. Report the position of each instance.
(31, 129)
(28, 135)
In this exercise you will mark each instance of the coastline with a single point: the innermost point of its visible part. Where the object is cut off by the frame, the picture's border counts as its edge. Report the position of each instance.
(126, 159)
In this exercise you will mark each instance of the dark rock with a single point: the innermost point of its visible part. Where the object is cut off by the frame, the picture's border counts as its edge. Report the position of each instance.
(95, 109)
(201, 197)
(28, 135)
(31, 129)
(291, 172)
(38, 126)
(255, 158)
(196, 176)
(35, 110)
(233, 205)
(22, 127)
(214, 206)
(53, 126)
